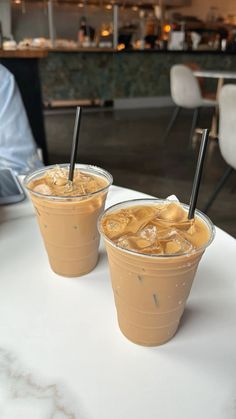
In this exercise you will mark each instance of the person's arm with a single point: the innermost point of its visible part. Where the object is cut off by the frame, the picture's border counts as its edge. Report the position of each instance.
(17, 146)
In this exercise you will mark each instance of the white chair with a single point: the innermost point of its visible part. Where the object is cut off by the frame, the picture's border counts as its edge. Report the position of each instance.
(227, 136)
(186, 93)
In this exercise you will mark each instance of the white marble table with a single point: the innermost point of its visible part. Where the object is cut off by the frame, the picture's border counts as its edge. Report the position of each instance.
(62, 355)
(215, 74)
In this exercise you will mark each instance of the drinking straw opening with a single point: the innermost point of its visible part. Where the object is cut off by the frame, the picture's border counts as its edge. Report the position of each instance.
(75, 143)
(198, 174)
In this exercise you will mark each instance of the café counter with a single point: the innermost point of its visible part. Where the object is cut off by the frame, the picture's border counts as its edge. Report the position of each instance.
(23, 53)
(106, 74)
(66, 76)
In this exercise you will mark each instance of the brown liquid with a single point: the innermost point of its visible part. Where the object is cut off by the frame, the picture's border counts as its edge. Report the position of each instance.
(162, 229)
(152, 282)
(69, 226)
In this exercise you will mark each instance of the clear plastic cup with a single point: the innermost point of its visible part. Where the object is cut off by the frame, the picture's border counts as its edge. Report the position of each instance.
(69, 224)
(150, 291)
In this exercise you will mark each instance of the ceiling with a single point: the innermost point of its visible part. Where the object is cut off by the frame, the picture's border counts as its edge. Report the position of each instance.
(128, 3)
(124, 3)
(169, 3)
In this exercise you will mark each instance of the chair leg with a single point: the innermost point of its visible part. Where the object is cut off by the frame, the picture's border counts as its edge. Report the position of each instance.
(220, 184)
(193, 127)
(171, 123)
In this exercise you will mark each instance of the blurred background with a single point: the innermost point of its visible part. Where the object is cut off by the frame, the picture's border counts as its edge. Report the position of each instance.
(115, 58)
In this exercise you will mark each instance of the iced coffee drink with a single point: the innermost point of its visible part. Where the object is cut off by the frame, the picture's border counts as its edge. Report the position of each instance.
(67, 214)
(153, 252)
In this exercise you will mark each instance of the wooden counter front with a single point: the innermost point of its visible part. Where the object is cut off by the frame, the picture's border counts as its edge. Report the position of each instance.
(81, 49)
(23, 53)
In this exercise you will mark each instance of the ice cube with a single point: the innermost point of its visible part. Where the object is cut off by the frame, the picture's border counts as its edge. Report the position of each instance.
(165, 234)
(69, 187)
(193, 234)
(172, 198)
(156, 249)
(144, 212)
(141, 217)
(193, 228)
(56, 173)
(83, 177)
(143, 239)
(142, 242)
(149, 233)
(43, 189)
(182, 225)
(133, 242)
(172, 247)
(123, 241)
(173, 212)
(177, 243)
(60, 181)
(93, 185)
(115, 225)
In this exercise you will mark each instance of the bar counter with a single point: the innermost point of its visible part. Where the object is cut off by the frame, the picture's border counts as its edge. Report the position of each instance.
(23, 53)
(106, 74)
(65, 76)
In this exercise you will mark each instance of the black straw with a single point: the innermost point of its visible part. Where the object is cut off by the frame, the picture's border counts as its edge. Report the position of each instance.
(75, 143)
(198, 174)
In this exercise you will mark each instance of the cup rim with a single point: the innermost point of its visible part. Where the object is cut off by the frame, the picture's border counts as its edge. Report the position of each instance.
(201, 215)
(87, 167)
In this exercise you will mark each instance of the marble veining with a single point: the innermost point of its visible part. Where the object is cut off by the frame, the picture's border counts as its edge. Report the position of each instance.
(107, 76)
(24, 396)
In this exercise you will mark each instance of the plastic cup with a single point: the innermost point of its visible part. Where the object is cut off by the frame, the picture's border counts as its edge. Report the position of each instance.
(151, 291)
(69, 224)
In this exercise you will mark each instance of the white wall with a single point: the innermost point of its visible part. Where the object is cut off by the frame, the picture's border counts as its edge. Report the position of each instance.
(34, 22)
(200, 8)
(5, 16)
